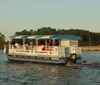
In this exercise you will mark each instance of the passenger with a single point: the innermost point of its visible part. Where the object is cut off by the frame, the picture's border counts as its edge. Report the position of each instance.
(43, 47)
(50, 43)
(34, 46)
(16, 45)
(26, 46)
(40, 48)
(44, 43)
(47, 48)
(31, 45)
(13, 45)
(57, 43)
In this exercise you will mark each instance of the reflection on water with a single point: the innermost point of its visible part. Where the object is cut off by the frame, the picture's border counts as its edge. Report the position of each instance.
(91, 56)
(12, 73)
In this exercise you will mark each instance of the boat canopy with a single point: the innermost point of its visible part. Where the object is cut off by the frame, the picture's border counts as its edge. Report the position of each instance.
(18, 36)
(72, 37)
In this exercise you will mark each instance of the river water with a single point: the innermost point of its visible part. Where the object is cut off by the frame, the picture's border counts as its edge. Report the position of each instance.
(12, 73)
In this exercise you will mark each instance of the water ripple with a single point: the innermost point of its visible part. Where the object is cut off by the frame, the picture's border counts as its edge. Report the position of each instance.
(12, 73)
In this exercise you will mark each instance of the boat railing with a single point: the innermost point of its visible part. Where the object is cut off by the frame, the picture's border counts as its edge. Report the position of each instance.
(33, 48)
(39, 50)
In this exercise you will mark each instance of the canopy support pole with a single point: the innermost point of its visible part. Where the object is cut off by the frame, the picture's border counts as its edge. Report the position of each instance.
(46, 43)
(53, 42)
(59, 42)
(10, 43)
(36, 43)
(24, 44)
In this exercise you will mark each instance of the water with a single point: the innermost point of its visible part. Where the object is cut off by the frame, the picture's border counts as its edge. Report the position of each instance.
(12, 73)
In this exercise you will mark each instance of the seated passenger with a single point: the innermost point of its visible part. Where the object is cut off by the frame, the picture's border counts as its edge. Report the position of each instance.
(16, 45)
(47, 48)
(43, 47)
(40, 48)
(26, 46)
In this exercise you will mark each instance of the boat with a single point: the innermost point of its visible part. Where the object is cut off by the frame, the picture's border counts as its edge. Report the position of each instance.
(57, 49)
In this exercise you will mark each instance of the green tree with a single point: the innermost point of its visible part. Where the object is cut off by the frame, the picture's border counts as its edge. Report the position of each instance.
(46, 31)
(2, 41)
(88, 38)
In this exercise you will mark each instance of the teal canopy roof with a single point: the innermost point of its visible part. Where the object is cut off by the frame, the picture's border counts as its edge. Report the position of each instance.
(18, 36)
(12, 36)
(72, 37)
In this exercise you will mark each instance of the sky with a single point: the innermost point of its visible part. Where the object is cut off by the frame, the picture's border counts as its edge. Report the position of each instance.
(17, 15)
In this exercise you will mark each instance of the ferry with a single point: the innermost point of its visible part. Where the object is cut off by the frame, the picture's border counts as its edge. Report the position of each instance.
(57, 49)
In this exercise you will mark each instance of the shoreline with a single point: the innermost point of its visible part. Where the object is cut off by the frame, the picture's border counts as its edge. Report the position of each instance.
(90, 48)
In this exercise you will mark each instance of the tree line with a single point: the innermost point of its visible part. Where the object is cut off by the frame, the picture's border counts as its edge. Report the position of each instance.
(2, 41)
(88, 38)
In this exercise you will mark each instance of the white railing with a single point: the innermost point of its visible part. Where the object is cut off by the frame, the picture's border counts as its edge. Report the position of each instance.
(50, 50)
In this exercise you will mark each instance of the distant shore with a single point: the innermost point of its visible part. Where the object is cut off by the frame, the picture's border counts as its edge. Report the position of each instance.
(95, 48)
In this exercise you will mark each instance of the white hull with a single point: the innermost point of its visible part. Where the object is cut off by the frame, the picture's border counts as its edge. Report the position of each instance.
(37, 59)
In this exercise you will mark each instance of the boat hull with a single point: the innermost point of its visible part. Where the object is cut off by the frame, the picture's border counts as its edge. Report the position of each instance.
(36, 59)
